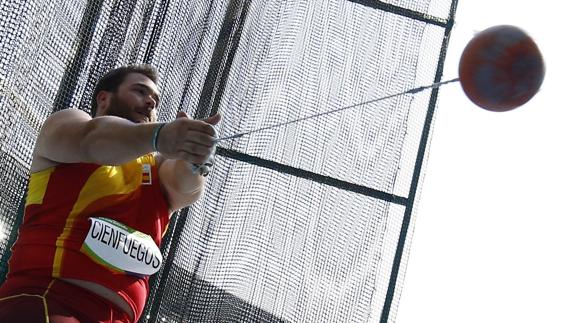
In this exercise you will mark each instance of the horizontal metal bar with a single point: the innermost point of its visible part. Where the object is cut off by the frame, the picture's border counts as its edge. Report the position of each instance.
(375, 4)
(359, 189)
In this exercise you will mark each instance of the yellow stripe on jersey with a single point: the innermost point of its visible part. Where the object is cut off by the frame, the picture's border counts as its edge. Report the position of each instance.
(38, 184)
(104, 181)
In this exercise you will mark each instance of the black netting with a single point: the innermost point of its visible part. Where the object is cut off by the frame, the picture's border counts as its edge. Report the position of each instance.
(306, 265)
(302, 223)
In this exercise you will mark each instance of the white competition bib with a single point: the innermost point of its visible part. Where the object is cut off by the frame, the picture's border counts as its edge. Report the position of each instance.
(122, 248)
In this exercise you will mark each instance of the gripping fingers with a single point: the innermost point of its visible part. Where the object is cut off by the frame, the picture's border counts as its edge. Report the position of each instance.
(192, 157)
(201, 139)
(204, 167)
(198, 143)
(195, 153)
(204, 128)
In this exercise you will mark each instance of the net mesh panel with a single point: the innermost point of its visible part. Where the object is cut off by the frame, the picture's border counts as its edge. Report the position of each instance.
(303, 223)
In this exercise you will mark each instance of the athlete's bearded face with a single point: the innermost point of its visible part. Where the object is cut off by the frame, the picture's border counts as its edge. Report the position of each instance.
(136, 99)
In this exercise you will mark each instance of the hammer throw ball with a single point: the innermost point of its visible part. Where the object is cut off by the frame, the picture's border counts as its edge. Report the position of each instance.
(501, 68)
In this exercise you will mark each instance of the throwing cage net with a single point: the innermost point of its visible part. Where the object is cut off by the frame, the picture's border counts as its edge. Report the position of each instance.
(310, 222)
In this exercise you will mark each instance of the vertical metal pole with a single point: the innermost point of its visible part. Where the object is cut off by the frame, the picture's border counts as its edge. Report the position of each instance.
(417, 171)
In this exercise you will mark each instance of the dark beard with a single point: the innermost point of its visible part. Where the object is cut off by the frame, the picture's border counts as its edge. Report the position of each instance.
(119, 108)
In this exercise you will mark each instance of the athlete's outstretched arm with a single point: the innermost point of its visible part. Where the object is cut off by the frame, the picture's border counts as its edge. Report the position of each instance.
(72, 136)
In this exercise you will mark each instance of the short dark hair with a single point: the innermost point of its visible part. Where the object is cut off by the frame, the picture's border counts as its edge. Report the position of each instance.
(112, 80)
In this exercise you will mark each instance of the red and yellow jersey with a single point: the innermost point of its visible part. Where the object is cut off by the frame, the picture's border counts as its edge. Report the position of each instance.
(60, 202)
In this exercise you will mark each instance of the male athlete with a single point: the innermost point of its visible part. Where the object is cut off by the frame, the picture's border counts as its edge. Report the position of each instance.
(100, 195)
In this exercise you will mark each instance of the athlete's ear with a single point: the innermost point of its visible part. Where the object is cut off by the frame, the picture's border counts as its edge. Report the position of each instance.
(103, 102)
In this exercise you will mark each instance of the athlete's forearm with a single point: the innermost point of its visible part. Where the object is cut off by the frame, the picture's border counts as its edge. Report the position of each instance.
(112, 140)
(72, 136)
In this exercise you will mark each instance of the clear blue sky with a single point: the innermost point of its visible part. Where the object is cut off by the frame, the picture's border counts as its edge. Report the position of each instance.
(494, 238)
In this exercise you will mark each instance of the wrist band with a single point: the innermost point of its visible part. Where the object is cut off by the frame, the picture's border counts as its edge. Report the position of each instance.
(155, 135)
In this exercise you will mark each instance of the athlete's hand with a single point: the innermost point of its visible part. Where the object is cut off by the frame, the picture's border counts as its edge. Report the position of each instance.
(188, 139)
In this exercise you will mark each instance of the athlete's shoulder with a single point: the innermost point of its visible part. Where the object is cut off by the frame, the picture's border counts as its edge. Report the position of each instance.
(67, 114)
(57, 126)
